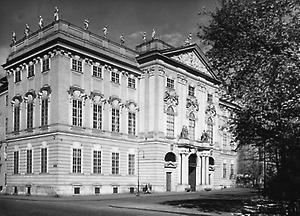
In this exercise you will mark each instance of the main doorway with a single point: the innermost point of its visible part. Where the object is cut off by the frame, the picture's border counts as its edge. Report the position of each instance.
(192, 171)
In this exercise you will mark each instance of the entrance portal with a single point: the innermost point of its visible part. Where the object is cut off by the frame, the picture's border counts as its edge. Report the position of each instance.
(192, 171)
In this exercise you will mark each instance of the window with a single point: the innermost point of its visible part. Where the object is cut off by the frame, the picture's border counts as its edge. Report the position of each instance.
(77, 65)
(97, 162)
(44, 112)
(170, 122)
(191, 91)
(44, 160)
(131, 123)
(18, 76)
(97, 190)
(45, 64)
(209, 98)
(210, 130)
(6, 125)
(192, 123)
(131, 82)
(16, 118)
(30, 115)
(224, 170)
(77, 113)
(97, 71)
(225, 139)
(76, 190)
(115, 120)
(16, 162)
(115, 163)
(76, 161)
(115, 77)
(6, 100)
(97, 116)
(30, 72)
(29, 161)
(170, 83)
(115, 189)
(231, 171)
(131, 164)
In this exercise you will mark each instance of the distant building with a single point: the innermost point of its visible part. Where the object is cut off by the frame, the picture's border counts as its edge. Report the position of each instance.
(87, 115)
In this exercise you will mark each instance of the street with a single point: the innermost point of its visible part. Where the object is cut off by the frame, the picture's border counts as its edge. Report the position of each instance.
(120, 204)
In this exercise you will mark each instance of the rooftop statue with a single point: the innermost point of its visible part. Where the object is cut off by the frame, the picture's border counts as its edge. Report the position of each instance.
(144, 36)
(14, 38)
(105, 31)
(122, 39)
(56, 17)
(153, 34)
(188, 40)
(27, 30)
(86, 24)
(204, 136)
(184, 133)
(190, 37)
(41, 22)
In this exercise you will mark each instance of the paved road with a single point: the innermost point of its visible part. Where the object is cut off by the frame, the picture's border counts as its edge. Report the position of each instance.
(121, 204)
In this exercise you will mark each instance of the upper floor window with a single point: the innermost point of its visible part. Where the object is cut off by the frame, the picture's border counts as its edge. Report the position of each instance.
(131, 82)
(6, 100)
(170, 122)
(131, 123)
(191, 91)
(115, 77)
(30, 115)
(225, 139)
(17, 75)
(192, 126)
(209, 98)
(97, 116)
(46, 64)
(76, 160)
(131, 164)
(17, 118)
(97, 71)
(115, 120)
(30, 70)
(77, 65)
(170, 83)
(77, 112)
(210, 128)
(44, 112)
(115, 159)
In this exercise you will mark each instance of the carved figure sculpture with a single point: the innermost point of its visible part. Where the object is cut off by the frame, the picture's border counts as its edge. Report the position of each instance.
(204, 136)
(122, 39)
(184, 133)
(14, 38)
(27, 30)
(41, 22)
(144, 36)
(86, 24)
(153, 34)
(55, 15)
(105, 31)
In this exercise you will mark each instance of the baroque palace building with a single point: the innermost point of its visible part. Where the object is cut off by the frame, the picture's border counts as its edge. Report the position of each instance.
(86, 115)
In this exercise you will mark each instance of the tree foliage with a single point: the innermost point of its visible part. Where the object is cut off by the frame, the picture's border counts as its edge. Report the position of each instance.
(256, 51)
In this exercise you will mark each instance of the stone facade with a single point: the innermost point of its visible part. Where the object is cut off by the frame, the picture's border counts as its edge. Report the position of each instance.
(89, 116)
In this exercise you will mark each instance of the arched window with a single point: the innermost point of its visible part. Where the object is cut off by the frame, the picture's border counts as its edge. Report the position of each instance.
(192, 126)
(170, 156)
(210, 130)
(170, 122)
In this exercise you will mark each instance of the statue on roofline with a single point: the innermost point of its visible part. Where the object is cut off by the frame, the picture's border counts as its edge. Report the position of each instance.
(122, 39)
(184, 133)
(55, 15)
(204, 136)
(144, 36)
(105, 31)
(153, 34)
(27, 30)
(41, 22)
(14, 38)
(86, 24)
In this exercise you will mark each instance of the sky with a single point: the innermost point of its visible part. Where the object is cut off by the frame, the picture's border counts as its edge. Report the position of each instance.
(172, 20)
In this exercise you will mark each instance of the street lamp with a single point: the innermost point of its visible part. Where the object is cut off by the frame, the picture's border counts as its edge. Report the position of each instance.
(138, 173)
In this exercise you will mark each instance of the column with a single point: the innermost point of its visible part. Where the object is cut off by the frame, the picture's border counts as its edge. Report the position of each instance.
(180, 169)
(185, 170)
(202, 170)
(206, 170)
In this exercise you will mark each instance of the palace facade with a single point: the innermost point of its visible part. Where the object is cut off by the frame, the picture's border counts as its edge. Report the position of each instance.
(86, 115)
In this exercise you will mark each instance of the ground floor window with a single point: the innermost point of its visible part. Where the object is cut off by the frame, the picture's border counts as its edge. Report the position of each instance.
(224, 170)
(97, 190)
(76, 190)
(115, 189)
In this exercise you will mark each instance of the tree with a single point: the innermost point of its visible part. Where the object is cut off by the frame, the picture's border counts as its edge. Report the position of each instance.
(256, 51)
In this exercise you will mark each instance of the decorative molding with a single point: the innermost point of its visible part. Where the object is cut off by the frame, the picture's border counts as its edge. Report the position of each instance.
(16, 99)
(131, 105)
(97, 97)
(171, 98)
(210, 110)
(30, 96)
(192, 103)
(115, 101)
(77, 92)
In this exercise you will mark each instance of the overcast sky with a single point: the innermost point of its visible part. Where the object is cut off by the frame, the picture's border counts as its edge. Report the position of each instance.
(171, 19)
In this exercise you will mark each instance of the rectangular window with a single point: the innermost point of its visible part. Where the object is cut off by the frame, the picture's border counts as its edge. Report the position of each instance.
(16, 118)
(131, 123)
(30, 71)
(97, 190)
(45, 64)
(115, 189)
(224, 170)
(6, 100)
(131, 82)
(18, 76)
(209, 98)
(44, 160)
(97, 116)
(225, 139)
(97, 162)
(115, 120)
(170, 125)
(115, 77)
(6, 125)
(191, 91)
(76, 161)
(77, 65)
(16, 162)
(76, 190)
(44, 112)
(29, 161)
(97, 71)
(77, 113)
(29, 115)
(131, 164)
(231, 171)
(115, 163)
(170, 83)
(192, 129)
